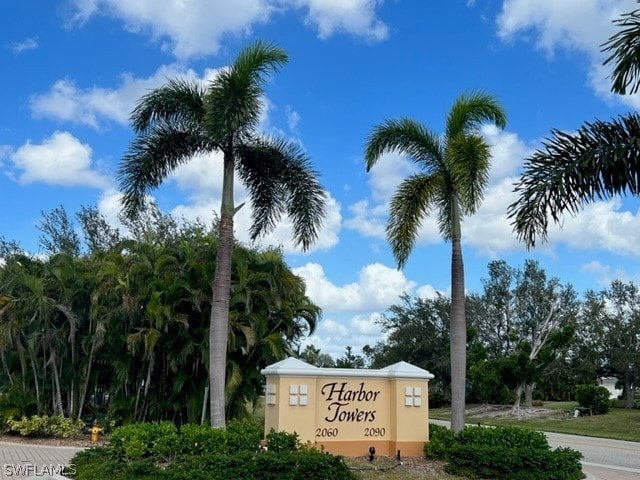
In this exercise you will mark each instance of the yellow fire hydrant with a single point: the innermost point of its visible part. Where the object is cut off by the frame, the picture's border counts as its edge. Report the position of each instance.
(95, 430)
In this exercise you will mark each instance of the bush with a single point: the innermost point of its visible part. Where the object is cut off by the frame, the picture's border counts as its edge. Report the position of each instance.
(45, 426)
(305, 463)
(507, 453)
(196, 439)
(505, 463)
(594, 397)
(198, 452)
(282, 441)
(243, 435)
(441, 440)
(156, 441)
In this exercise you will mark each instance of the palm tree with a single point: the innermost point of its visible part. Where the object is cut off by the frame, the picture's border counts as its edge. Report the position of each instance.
(181, 119)
(454, 172)
(599, 161)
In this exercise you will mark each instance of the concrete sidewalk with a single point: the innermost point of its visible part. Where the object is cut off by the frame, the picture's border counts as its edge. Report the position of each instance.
(43, 462)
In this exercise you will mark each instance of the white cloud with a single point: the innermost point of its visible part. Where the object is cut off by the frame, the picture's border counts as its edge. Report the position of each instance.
(377, 287)
(197, 27)
(357, 17)
(60, 159)
(575, 25)
(293, 119)
(601, 225)
(65, 101)
(27, 44)
(605, 274)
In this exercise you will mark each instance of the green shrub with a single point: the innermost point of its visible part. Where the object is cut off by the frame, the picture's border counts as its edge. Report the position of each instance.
(594, 397)
(506, 453)
(137, 441)
(282, 441)
(243, 435)
(45, 426)
(157, 451)
(196, 439)
(504, 463)
(97, 464)
(510, 437)
(441, 440)
(305, 463)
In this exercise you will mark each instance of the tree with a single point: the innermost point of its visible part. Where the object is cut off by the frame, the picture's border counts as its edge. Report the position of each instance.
(416, 331)
(350, 360)
(313, 356)
(615, 328)
(58, 234)
(527, 320)
(600, 160)
(181, 119)
(454, 172)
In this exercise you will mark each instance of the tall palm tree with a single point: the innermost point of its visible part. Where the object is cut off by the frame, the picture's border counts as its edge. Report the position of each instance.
(599, 161)
(181, 119)
(454, 171)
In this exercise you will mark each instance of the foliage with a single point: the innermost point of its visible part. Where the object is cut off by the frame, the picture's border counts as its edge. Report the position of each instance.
(46, 426)
(441, 441)
(594, 397)
(505, 463)
(16, 402)
(417, 331)
(201, 452)
(507, 453)
(282, 441)
(120, 335)
(524, 320)
(143, 440)
(350, 360)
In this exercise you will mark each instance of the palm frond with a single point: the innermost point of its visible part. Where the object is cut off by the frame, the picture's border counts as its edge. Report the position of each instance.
(410, 204)
(470, 110)
(151, 157)
(178, 102)
(406, 137)
(279, 178)
(624, 49)
(234, 97)
(468, 161)
(599, 161)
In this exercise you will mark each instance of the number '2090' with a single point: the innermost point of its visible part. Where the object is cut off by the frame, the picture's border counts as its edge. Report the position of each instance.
(374, 432)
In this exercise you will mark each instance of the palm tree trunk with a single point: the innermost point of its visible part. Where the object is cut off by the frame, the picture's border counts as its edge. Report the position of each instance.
(6, 367)
(458, 324)
(221, 286)
(58, 410)
(87, 375)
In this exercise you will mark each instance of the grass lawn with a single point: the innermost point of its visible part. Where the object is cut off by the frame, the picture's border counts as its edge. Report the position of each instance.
(619, 423)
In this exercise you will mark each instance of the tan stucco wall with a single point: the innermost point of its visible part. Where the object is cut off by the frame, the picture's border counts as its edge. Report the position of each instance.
(347, 411)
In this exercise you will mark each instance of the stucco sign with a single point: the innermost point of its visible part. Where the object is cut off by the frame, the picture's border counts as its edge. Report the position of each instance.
(349, 410)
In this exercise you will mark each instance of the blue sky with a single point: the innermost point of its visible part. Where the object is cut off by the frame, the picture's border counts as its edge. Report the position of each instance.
(73, 70)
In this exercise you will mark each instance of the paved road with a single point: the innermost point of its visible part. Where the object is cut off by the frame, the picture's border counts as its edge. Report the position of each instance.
(603, 459)
(20, 460)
